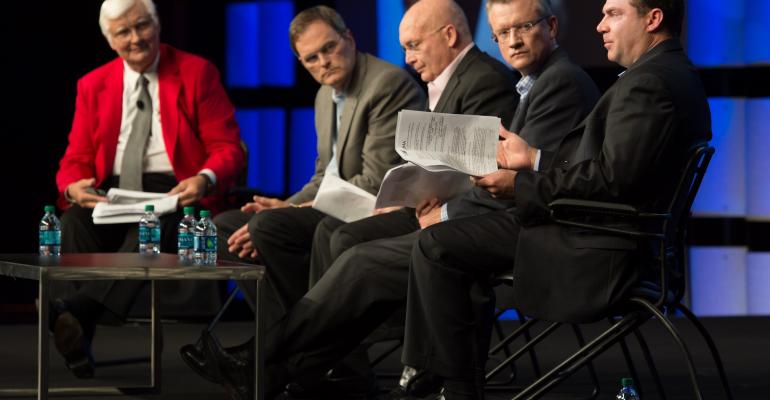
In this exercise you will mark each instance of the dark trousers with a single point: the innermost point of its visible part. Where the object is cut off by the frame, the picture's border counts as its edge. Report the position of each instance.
(450, 307)
(81, 235)
(361, 289)
(333, 237)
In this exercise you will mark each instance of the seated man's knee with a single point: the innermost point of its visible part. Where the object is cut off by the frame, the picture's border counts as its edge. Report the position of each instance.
(342, 239)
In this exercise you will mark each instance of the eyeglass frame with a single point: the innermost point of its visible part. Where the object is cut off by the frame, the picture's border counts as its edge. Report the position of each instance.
(328, 48)
(520, 29)
(141, 28)
(414, 45)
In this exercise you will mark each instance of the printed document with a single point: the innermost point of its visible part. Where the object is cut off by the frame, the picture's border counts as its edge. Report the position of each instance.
(343, 200)
(126, 206)
(446, 142)
(408, 184)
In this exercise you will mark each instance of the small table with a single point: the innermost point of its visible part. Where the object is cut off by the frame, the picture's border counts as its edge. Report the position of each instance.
(115, 266)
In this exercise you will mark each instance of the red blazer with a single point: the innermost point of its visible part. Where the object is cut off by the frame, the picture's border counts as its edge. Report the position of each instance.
(198, 121)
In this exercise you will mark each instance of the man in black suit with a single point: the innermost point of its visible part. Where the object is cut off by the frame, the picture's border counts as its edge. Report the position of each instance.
(368, 282)
(629, 149)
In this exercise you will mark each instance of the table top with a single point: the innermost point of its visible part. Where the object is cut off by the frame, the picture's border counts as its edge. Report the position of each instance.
(104, 266)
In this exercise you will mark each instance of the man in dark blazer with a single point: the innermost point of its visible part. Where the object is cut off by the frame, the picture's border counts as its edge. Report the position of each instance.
(367, 283)
(630, 149)
(191, 148)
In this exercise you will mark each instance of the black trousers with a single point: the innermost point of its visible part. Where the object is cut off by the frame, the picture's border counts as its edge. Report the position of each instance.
(360, 290)
(333, 237)
(81, 235)
(450, 307)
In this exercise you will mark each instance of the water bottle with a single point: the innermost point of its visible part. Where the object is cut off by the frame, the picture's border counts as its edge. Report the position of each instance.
(149, 231)
(205, 240)
(50, 233)
(627, 392)
(185, 236)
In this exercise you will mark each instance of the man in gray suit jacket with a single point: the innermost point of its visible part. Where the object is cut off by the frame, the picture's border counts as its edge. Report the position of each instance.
(368, 282)
(629, 149)
(355, 118)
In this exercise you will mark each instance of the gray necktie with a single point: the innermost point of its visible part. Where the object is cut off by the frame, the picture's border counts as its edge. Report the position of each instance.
(133, 154)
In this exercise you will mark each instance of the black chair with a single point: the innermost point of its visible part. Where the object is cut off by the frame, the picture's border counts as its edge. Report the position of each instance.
(657, 298)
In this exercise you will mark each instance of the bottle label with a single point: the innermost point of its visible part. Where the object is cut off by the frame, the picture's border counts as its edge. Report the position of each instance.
(144, 234)
(185, 241)
(50, 238)
(206, 244)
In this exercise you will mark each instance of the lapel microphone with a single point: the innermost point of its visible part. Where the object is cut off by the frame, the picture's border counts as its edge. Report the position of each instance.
(140, 105)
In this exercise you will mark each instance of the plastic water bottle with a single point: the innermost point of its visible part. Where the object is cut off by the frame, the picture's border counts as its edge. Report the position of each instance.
(50, 233)
(205, 240)
(627, 392)
(149, 231)
(186, 236)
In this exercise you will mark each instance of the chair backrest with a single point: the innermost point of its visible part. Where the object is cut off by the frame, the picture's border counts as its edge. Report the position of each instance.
(673, 248)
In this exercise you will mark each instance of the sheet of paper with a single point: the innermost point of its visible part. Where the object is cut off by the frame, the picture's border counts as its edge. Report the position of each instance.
(442, 142)
(343, 200)
(408, 184)
(123, 196)
(110, 213)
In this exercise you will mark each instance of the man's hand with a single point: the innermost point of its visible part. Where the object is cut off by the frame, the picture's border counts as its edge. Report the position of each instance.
(240, 243)
(263, 203)
(385, 210)
(428, 212)
(514, 153)
(77, 193)
(190, 190)
(499, 183)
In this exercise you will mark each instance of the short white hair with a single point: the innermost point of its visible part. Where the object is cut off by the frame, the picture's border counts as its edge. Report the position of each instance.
(114, 9)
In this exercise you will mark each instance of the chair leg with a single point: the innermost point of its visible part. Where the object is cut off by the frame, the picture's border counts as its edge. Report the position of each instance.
(650, 363)
(591, 371)
(222, 309)
(712, 347)
(675, 334)
(527, 346)
(528, 337)
(506, 350)
(631, 366)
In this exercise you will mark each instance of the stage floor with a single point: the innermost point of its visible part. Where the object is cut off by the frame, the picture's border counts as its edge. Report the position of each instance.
(743, 342)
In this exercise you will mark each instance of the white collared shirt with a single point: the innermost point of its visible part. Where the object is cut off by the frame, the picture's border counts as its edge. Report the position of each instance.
(155, 159)
(437, 86)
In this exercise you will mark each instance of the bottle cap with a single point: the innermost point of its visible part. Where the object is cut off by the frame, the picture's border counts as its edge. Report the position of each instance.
(627, 382)
(205, 213)
(149, 207)
(49, 208)
(189, 210)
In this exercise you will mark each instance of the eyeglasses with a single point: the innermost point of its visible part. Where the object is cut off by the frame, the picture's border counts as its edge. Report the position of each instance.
(518, 29)
(142, 28)
(413, 46)
(327, 49)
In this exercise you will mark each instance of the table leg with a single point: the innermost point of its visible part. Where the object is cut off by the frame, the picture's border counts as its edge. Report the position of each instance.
(259, 357)
(155, 341)
(42, 336)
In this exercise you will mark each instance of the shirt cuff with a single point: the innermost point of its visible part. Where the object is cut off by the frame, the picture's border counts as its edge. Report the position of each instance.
(211, 175)
(537, 160)
(444, 213)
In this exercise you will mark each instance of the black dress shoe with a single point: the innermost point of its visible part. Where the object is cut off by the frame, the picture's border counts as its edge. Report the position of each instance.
(196, 357)
(73, 342)
(234, 373)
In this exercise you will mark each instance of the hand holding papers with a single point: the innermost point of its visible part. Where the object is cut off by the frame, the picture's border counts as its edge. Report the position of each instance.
(343, 200)
(125, 206)
(442, 142)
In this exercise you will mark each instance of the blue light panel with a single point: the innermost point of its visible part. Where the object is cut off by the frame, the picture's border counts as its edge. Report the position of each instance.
(723, 191)
(757, 32)
(715, 32)
(758, 162)
(257, 44)
(758, 278)
(242, 48)
(718, 281)
(389, 15)
(302, 148)
(263, 131)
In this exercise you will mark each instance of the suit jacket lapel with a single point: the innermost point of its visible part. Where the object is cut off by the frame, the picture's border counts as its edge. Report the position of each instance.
(172, 106)
(349, 108)
(456, 78)
(111, 111)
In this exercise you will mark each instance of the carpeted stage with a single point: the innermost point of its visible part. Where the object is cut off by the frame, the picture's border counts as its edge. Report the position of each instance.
(743, 342)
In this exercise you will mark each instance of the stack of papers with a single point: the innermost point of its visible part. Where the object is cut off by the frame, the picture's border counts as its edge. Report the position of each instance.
(408, 184)
(343, 200)
(126, 206)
